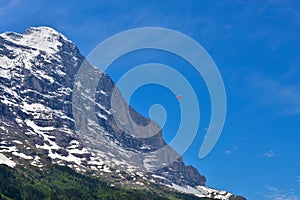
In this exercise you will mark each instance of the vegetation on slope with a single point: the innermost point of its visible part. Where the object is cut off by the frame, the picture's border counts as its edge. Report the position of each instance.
(60, 182)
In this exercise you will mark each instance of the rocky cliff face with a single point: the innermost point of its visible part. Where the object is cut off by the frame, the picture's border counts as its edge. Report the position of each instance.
(37, 126)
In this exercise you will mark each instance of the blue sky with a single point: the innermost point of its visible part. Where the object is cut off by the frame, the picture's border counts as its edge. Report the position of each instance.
(255, 45)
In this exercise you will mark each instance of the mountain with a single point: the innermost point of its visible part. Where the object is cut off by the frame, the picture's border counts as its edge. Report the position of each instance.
(38, 126)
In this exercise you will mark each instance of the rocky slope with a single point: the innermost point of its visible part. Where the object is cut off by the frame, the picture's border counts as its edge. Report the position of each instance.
(37, 127)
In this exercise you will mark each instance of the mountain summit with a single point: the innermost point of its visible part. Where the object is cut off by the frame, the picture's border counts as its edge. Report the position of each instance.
(37, 128)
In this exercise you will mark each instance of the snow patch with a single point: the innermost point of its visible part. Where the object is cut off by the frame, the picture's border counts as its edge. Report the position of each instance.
(102, 116)
(5, 73)
(36, 162)
(17, 142)
(104, 93)
(69, 158)
(36, 128)
(22, 155)
(202, 191)
(8, 149)
(6, 161)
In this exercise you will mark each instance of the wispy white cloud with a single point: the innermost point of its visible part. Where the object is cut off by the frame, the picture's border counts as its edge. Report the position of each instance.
(231, 150)
(278, 194)
(273, 38)
(7, 5)
(273, 92)
(227, 152)
(269, 154)
(298, 178)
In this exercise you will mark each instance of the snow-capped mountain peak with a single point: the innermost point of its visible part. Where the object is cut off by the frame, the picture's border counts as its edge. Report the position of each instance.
(40, 38)
(37, 75)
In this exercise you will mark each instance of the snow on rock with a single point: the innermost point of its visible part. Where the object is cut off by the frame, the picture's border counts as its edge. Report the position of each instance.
(36, 162)
(102, 116)
(36, 128)
(8, 149)
(6, 161)
(22, 155)
(202, 191)
(69, 158)
(104, 93)
(17, 142)
(41, 38)
(5, 73)
(159, 177)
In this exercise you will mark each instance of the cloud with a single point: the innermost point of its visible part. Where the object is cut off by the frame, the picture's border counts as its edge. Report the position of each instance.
(231, 150)
(278, 194)
(274, 92)
(7, 5)
(298, 178)
(269, 154)
(227, 152)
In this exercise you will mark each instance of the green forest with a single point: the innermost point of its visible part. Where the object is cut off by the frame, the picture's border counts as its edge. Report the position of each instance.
(59, 182)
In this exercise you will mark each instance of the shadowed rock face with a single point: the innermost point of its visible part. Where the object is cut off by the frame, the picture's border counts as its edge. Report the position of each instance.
(237, 198)
(38, 70)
